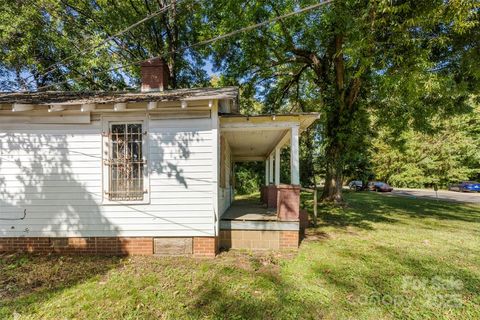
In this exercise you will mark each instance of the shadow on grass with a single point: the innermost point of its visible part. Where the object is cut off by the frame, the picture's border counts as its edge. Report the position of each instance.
(260, 294)
(27, 279)
(389, 269)
(363, 209)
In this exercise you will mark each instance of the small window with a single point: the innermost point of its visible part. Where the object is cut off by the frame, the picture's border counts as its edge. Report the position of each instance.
(125, 162)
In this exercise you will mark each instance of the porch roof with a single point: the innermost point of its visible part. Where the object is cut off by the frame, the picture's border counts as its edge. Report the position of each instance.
(254, 138)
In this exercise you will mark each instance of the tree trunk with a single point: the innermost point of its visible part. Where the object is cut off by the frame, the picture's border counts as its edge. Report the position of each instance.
(337, 128)
(332, 190)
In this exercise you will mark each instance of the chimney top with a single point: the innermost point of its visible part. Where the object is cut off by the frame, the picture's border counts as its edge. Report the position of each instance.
(155, 75)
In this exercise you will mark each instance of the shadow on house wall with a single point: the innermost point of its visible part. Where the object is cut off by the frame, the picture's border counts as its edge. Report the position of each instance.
(59, 188)
(57, 179)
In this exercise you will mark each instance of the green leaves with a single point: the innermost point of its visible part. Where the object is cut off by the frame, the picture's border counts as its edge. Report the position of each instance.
(70, 35)
(449, 153)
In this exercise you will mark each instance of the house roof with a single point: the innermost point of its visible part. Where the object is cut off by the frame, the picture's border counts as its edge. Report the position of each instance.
(100, 97)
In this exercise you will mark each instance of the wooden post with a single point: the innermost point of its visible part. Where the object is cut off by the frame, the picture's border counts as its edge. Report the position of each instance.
(215, 166)
(266, 172)
(270, 169)
(294, 157)
(277, 166)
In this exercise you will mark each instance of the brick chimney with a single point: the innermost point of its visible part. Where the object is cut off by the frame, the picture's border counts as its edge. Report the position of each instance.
(155, 75)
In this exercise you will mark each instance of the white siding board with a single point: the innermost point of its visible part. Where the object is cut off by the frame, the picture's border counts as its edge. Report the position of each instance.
(181, 216)
(185, 163)
(6, 165)
(98, 225)
(65, 138)
(62, 172)
(163, 210)
(191, 232)
(55, 172)
(164, 192)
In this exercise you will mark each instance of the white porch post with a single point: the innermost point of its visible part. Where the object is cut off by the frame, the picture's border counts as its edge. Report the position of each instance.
(270, 169)
(294, 156)
(215, 167)
(266, 172)
(277, 166)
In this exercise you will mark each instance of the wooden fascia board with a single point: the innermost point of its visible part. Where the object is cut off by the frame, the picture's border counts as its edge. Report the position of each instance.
(83, 118)
(272, 125)
(248, 158)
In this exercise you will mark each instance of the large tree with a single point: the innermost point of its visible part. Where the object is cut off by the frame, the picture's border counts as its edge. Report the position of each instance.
(333, 60)
(70, 35)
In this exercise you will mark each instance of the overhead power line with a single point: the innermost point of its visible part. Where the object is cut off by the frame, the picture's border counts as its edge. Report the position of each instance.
(204, 42)
(57, 65)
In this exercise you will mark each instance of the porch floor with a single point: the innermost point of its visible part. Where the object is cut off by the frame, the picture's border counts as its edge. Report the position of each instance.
(249, 210)
(249, 224)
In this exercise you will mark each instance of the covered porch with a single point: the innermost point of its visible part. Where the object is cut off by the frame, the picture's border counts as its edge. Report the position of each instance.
(274, 220)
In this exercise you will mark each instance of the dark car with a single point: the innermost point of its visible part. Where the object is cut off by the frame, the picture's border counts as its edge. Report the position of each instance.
(465, 186)
(379, 186)
(355, 185)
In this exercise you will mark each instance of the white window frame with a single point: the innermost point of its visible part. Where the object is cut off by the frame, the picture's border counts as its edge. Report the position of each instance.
(106, 127)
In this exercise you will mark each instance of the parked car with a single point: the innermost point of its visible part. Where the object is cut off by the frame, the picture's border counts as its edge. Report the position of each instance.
(356, 185)
(379, 186)
(465, 186)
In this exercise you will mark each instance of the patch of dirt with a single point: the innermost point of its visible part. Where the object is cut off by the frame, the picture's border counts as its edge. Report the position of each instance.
(254, 260)
(316, 235)
(23, 274)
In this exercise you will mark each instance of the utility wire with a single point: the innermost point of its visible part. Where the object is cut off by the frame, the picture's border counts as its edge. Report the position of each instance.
(204, 42)
(56, 65)
(12, 219)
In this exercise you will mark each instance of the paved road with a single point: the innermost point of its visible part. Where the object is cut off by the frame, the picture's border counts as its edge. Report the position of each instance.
(443, 195)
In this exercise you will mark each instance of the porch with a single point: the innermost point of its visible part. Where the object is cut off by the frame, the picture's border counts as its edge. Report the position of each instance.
(274, 220)
(250, 224)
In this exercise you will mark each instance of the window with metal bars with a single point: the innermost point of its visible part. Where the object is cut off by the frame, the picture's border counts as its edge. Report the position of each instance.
(125, 162)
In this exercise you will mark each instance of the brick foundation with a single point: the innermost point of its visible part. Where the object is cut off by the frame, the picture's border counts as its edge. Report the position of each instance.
(271, 196)
(84, 245)
(250, 239)
(205, 246)
(264, 194)
(202, 246)
(288, 202)
(289, 239)
(285, 198)
(259, 239)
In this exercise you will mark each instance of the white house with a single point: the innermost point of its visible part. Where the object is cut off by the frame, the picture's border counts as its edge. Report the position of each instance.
(145, 172)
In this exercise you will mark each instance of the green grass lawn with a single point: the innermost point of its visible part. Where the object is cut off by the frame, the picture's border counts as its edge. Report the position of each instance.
(378, 257)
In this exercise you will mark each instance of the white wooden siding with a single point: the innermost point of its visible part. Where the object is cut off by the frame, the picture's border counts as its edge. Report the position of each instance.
(55, 172)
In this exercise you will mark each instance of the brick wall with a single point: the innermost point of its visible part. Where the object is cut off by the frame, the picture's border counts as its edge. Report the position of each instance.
(202, 246)
(154, 74)
(288, 202)
(250, 239)
(289, 239)
(205, 246)
(259, 239)
(84, 245)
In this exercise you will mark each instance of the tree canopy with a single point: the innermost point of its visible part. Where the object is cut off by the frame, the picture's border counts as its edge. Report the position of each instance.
(71, 36)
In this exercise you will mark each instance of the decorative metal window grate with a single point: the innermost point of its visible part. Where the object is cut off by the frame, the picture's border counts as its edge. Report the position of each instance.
(125, 162)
